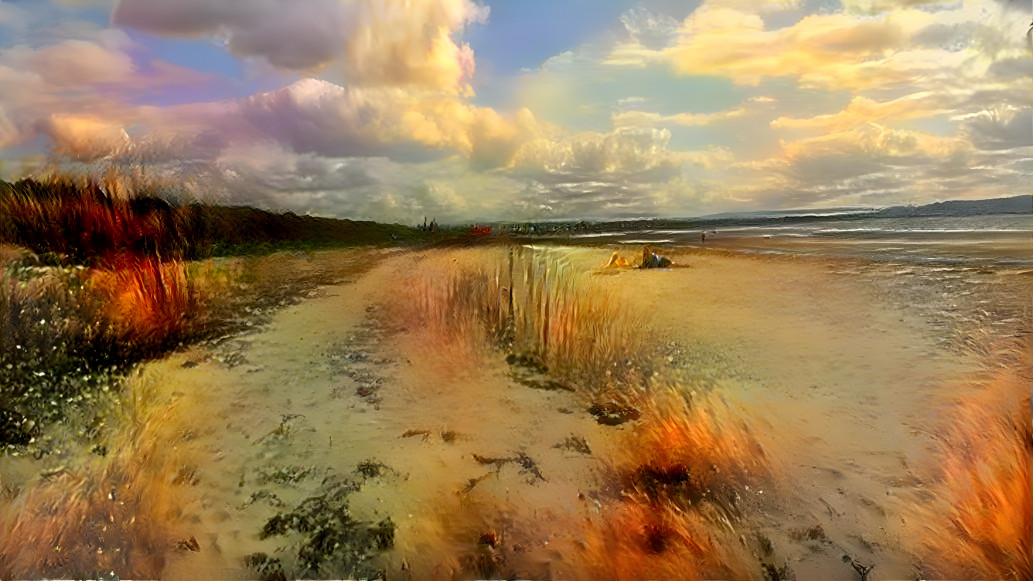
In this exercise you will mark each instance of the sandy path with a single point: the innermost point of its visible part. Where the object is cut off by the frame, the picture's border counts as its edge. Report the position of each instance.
(299, 366)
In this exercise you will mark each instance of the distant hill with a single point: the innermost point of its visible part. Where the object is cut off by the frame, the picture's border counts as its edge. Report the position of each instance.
(1012, 205)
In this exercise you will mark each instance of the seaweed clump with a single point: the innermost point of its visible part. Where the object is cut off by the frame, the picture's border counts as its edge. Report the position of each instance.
(333, 542)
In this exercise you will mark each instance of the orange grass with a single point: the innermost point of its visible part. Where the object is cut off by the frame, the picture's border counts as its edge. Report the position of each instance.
(145, 298)
(683, 473)
(707, 437)
(985, 527)
(639, 540)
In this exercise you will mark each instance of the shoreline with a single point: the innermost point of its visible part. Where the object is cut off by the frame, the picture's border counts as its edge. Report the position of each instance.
(766, 335)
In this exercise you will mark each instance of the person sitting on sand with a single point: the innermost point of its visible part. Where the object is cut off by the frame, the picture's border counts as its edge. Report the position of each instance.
(652, 260)
(615, 261)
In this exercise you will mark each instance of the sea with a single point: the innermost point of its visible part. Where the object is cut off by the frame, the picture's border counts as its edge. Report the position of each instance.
(998, 242)
(958, 272)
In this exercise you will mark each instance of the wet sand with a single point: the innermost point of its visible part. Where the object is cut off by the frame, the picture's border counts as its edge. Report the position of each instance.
(840, 388)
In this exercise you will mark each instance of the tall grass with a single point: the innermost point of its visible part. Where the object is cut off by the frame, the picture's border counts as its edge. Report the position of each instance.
(982, 526)
(86, 221)
(683, 473)
(101, 514)
(533, 303)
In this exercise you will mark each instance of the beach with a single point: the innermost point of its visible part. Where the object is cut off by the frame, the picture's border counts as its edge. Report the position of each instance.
(789, 420)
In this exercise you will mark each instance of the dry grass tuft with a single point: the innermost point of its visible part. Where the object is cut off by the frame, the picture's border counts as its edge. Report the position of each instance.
(658, 540)
(530, 302)
(115, 513)
(146, 299)
(983, 527)
(684, 473)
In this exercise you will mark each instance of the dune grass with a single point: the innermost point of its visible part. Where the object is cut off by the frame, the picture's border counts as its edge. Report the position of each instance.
(982, 524)
(87, 516)
(532, 304)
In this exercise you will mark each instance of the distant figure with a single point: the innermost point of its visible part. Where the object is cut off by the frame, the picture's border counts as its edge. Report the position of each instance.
(703, 237)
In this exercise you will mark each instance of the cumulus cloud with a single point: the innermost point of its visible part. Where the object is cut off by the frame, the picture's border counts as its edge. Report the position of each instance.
(321, 117)
(389, 42)
(83, 138)
(623, 150)
(846, 166)
(76, 92)
(820, 49)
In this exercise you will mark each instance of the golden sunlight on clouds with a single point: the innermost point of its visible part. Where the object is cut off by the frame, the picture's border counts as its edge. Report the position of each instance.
(84, 138)
(410, 42)
(645, 119)
(623, 150)
(834, 50)
(875, 140)
(863, 110)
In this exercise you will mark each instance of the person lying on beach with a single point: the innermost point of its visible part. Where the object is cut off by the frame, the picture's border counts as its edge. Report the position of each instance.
(652, 260)
(615, 261)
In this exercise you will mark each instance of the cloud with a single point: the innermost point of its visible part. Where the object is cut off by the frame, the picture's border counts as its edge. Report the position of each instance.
(69, 89)
(621, 151)
(1001, 128)
(845, 50)
(321, 117)
(79, 63)
(863, 110)
(647, 119)
(870, 6)
(651, 30)
(388, 42)
(851, 166)
(820, 49)
(83, 138)
(9, 133)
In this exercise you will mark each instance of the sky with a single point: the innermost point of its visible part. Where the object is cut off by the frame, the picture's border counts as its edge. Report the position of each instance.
(477, 110)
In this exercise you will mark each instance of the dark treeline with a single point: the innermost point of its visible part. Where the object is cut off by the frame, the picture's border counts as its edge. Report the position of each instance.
(82, 222)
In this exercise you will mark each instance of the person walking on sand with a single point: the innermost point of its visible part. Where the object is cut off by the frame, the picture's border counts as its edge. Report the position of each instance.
(703, 237)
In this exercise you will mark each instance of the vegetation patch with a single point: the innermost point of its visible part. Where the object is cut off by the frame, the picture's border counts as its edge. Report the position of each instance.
(330, 541)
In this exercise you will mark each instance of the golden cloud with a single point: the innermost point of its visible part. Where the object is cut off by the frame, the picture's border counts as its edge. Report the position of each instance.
(873, 140)
(647, 119)
(84, 138)
(862, 111)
